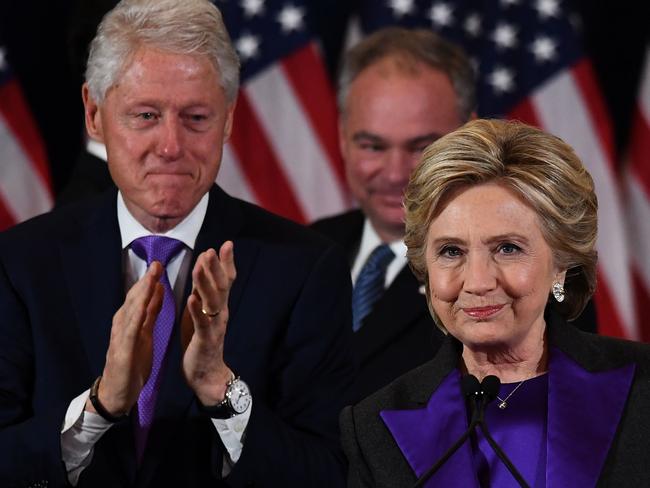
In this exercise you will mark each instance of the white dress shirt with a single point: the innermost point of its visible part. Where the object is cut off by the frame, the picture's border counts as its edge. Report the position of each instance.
(369, 241)
(82, 429)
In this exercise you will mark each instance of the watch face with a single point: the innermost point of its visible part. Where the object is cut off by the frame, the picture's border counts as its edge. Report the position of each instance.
(239, 396)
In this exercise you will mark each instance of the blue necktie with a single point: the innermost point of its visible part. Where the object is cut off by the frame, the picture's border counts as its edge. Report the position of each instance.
(370, 284)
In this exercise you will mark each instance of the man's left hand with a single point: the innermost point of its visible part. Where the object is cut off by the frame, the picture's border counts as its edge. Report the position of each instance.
(204, 324)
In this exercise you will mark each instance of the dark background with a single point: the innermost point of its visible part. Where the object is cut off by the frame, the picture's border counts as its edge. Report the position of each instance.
(46, 42)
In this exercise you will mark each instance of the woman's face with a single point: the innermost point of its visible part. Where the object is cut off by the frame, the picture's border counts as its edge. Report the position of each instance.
(490, 269)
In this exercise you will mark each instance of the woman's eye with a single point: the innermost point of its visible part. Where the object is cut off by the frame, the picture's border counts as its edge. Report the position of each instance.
(450, 252)
(509, 248)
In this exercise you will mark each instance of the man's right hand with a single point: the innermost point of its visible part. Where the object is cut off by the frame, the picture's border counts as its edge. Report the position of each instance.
(129, 356)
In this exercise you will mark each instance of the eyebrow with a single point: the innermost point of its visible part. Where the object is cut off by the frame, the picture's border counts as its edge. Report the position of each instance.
(512, 236)
(365, 135)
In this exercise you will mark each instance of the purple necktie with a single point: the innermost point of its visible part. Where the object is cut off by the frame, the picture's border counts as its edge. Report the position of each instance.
(161, 249)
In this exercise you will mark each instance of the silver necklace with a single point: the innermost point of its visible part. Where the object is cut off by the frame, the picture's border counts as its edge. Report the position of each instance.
(504, 401)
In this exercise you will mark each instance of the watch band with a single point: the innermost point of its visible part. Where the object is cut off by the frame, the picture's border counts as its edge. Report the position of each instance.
(101, 410)
(223, 409)
(219, 411)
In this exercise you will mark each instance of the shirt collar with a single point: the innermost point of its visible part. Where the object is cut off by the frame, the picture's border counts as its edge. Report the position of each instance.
(186, 231)
(97, 149)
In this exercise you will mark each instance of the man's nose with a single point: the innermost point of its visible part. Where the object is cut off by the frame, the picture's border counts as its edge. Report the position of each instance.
(399, 165)
(480, 274)
(170, 145)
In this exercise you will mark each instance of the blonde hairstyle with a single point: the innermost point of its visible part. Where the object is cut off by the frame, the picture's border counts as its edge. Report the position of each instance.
(192, 27)
(410, 47)
(540, 168)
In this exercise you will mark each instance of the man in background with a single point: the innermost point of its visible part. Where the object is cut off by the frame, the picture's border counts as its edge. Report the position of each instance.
(399, 90)
(164, 333)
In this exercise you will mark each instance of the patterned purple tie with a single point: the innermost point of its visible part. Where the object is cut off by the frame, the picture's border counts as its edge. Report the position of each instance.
(150, 249)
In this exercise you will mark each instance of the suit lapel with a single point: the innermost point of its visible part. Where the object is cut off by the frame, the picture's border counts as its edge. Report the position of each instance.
(386, 322)
(92, 264)
(346, 230)
(226, 221)
(584, 410)
(429, 426)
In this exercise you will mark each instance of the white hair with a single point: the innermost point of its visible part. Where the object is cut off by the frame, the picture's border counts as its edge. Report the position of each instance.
(193, 27)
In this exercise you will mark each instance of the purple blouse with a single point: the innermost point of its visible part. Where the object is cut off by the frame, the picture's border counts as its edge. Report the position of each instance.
(520, 431)
(557, 428)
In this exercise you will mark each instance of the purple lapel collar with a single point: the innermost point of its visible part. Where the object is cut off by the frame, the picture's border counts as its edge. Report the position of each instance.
(423, 435)
(584, 409)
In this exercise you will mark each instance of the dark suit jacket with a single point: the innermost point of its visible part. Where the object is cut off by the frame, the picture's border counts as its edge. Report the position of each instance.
(598, 429)
(288, 337)
(399, 334)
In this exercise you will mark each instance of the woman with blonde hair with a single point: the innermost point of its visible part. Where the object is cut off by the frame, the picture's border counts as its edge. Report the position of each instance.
(501, 223)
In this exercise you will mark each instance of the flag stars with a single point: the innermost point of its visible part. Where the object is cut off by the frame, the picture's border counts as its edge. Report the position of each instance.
(544, 49)
(252, 8)
(401, 7)
(505, 36)
(547, 8)
(248, 46)
(472, 25)
(508, 3)
(501, 79)
(440, 14)
(291, 18)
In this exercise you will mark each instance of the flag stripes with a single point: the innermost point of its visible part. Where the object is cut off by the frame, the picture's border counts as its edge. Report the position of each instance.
(24, 175)
(637, 180)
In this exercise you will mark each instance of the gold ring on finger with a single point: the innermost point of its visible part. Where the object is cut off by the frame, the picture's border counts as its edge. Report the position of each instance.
(211, 315)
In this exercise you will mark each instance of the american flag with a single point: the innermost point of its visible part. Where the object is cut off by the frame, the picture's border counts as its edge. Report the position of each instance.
(24, 171)
(531, 67)
(637, 178)
(283, 153)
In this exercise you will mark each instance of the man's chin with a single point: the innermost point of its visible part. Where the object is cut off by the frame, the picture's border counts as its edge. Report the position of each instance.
(157, 214)
(392, 228)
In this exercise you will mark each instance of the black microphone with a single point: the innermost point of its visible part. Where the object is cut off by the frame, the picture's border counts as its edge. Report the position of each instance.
(471, 388)
(481, 393)
(490, 387)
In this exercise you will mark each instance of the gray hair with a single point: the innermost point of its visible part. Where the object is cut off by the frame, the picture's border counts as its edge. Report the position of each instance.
(410, 47)
(193, 27)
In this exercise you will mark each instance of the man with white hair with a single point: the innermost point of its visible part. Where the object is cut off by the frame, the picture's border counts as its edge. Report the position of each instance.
(164, 333)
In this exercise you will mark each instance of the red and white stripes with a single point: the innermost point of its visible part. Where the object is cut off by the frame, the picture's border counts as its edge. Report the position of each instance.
(637, 182)
(24, 173)
(283, 153)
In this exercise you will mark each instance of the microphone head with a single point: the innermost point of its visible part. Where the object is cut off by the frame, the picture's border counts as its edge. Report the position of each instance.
(470, 385)
(490, 386)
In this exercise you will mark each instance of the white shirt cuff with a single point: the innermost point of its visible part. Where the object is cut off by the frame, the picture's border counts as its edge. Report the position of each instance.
(232, 432)
(80, 432)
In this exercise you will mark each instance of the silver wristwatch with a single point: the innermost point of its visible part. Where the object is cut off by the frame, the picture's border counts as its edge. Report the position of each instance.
(236, 401)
